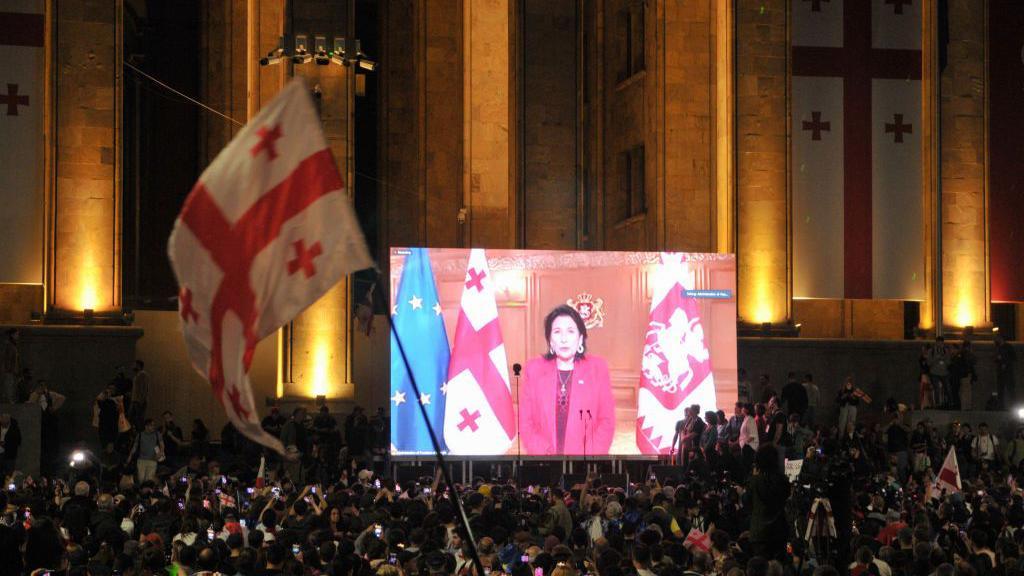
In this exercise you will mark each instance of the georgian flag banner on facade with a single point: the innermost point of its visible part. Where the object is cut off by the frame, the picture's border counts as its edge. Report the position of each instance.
(676, 365)
(22, 63)
(856, 149)
(478, 415)
(266, 231)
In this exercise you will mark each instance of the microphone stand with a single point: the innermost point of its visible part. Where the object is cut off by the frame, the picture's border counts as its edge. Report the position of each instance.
(585, 470)
(516, 369)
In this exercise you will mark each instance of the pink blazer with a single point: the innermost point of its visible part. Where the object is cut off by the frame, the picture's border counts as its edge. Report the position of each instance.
(591, 390)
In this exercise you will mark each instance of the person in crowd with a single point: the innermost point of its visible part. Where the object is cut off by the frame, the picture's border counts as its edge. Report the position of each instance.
(813, 400)
(173, 438)
(10, 366)
(750, 439)
(743, 392)
(199, 439)
(937, 356)
(689, 433)
(1005, 360)
(985, 448)
(10, 442)
(963, 371)
(108, 413)
(274, 422)
(925, 391)
(768, 489)
(148, 448)
(1014, 450)
(49, 401)
(897, 444)
(794, 396)
(850, 396)
(766, 391)
(140, 395)
(566, 402)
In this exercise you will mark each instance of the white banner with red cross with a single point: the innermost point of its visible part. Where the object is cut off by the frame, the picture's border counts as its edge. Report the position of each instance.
(478, 414)
(856, 149)
(266, 231)
(22, 70)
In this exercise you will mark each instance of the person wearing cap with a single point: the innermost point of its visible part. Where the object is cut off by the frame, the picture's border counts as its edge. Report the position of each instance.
(274, 422)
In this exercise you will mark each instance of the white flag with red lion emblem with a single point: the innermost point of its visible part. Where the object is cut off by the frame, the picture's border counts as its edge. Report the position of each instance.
(676, 364)
(266, 231)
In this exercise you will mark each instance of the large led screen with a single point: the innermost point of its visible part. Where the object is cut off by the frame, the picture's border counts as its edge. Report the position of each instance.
(546, 353)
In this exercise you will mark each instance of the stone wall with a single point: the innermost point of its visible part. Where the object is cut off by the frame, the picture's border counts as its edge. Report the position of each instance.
(78, 362)
(964, 256)
(549, 104)
(883, 369)
(761, 141)
(687, 182)
(86, 243)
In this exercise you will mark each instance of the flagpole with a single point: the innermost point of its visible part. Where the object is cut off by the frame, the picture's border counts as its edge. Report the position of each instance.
(437, 452)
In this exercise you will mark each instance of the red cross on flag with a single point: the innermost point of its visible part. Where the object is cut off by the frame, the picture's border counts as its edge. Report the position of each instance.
(858, 212)
(948, 479)
(22, 143)
(266, 231)
(478, 416)
(676, 366)
(697, 541)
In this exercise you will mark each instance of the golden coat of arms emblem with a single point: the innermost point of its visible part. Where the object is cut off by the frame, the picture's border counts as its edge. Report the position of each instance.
(591, 309)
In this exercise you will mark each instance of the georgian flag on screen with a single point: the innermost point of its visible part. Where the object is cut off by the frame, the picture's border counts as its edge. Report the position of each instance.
(676, 366)
(266, 231)
(478, 415)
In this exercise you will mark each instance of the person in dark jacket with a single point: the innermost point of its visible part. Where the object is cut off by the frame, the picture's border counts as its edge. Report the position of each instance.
(10, 441)
(768, 491)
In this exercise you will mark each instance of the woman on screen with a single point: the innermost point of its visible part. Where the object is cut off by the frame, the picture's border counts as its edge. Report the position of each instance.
(566, 404)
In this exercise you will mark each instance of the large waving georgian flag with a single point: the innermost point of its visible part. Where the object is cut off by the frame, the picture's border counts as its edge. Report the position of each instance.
(478, 415)
(266, 231)
(856, 144)
(676, 366)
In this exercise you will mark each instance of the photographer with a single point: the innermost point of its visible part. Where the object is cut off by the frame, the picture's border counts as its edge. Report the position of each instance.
(767, 491)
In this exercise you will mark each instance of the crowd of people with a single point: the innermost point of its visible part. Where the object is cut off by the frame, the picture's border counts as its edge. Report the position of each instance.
(864, 501)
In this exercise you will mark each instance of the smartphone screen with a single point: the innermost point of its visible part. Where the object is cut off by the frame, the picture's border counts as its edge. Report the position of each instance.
(377, 530)
(210, 534)
(295, 549)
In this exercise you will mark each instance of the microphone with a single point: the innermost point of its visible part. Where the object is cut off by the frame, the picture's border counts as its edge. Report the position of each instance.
(588, 415)
(517, 368)
(581, 414)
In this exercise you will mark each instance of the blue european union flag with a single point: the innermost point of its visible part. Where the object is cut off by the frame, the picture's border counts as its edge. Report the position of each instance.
(420, 327)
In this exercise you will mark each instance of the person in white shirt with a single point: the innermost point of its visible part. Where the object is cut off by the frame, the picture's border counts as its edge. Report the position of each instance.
(749, 440)
(984, 446)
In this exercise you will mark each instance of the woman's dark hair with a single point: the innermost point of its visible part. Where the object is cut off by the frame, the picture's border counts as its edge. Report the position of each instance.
(565, 310)
(43, 548)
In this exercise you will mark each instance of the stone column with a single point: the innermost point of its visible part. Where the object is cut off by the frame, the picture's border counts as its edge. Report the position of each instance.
(489, 129)
(84, 243)
(762, 200)
(965, 294)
